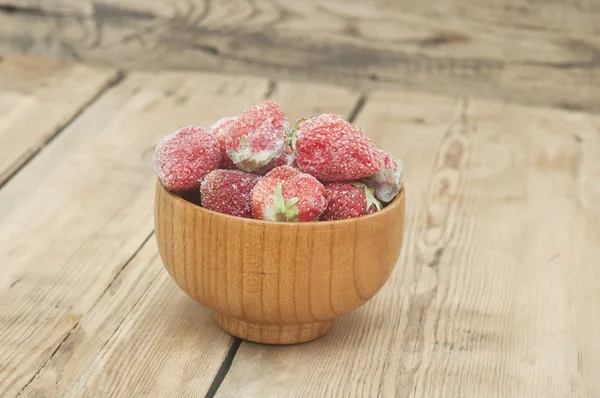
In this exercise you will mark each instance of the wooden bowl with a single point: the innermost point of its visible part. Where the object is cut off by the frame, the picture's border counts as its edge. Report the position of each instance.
(276, 283)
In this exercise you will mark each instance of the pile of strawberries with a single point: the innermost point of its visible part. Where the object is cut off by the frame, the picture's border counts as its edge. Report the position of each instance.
(254, 166)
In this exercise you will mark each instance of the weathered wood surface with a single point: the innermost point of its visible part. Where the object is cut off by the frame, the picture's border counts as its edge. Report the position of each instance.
(78, 7)
(77, 213)
(38, 98)
(522, 51)
(497, 292)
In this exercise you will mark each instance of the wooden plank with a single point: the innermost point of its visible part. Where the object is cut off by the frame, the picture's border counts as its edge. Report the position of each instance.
(143, 319)
(555, 16)
(497, 292)
(37, 99)
(311, 99)
(73, 217)
(504, 49)
(79, 7)
(145, 336)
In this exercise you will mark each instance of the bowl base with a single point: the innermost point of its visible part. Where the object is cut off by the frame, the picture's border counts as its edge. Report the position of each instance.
(272, 334)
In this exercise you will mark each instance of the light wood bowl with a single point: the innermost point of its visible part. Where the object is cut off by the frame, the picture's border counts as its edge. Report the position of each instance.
(276, 283)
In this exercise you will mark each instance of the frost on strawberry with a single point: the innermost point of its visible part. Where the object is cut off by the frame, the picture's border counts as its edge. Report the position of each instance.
(229, 192)
(183, 158)
(286, 159)
(222, 129)
(258, 137)
(349, 200)
(387, 183)
(332, 149)
(287, 194)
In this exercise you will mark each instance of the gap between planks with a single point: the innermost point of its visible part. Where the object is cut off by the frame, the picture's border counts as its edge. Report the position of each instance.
(120, 75)
(110, 284)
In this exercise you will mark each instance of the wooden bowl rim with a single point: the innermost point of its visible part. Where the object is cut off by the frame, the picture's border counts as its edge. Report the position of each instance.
(395, 203)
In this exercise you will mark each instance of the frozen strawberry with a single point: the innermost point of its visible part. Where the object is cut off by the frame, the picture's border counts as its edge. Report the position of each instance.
(286, 159)
(257, 137)
(229, 192)
(388, 181)
(287, 194)
(221, 129)
(349, 200)
(183, 158)
(283, 173)
(331, 149)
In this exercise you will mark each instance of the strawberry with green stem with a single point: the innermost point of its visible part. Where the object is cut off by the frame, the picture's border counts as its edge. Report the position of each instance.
(257, 138)
(287, 194)
(292, 136)
(284, 210)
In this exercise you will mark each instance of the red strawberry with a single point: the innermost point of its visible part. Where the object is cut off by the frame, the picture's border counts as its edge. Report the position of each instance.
(349, 200)
(183, 158)
(388, 181)
(286, 159)
(331, 149)
(257, 137)
(287, 194)
(284, 172)
(229, 192)
(221, 129)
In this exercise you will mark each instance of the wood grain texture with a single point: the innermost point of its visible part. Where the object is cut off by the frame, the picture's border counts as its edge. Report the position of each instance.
(271, 282)
(73, 217)
(144, 336)
(513, 50)
(57, 7)
(497, 292)
(37, 99)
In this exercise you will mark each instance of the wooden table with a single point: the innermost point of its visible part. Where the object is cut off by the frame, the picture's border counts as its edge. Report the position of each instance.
(536, 52)
(496, 293)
